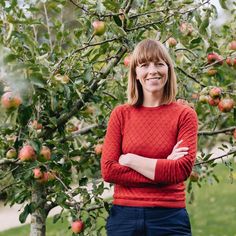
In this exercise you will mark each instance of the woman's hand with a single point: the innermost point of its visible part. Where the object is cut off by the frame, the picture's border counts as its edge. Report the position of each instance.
(124, 159)
(178, 152)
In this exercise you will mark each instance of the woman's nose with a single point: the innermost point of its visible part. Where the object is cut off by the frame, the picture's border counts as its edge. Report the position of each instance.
(152, 68)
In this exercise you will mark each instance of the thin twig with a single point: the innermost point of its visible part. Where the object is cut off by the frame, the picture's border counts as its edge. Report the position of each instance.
(190, 76)
(230, 129)
(48, 28)
(213, 159)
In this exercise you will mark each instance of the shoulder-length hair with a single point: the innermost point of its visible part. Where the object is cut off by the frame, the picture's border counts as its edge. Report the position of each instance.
(145, 51)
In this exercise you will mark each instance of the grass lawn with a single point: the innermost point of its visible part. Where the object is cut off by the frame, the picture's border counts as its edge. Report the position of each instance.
(212, 213)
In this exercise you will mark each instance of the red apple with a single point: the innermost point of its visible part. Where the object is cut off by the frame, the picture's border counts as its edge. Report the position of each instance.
(212, 72)
(226, 105)
(186, 28)
(194, 176)
(234, 62)
(127, 60)
(99, 27)
(172, 42)
(213, 101)
(77, 226)
(37, 173)
(43, 179)
(229, 61)
(213, 57)
(11, 153)
(36, 125)
(98, 149)
(45, 154)
(232, 45)
(10, 100)
(215, 92)
(27, 153)
(234, 134)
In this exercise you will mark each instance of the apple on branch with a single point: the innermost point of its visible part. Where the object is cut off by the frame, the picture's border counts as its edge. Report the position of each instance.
(226, 105)
(11, 153)
(45, 154)
(37, 173)
(10, 100)
(213, 101)
(127, 60)
(172, 42)
(215, 57)
(99, 27)
(98, 149)
(27, 153)
(215, 92)
(203, 98)
(232, 45)
(212, 72)
(77, 226)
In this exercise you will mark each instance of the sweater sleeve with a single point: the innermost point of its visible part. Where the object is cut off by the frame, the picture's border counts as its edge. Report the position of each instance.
(176, 171)
(112, 171)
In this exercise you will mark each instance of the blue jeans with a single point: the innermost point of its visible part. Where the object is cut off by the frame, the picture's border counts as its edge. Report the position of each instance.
(148, 221)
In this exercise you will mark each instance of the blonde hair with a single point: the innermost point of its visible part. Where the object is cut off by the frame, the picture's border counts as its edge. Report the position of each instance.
(145, 51)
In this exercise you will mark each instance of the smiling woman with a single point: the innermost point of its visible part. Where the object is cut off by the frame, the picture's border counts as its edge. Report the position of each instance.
(150, 60)
(148, 152)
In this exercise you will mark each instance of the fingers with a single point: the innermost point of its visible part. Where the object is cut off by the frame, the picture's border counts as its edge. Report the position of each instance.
(181, 149)
(179, 155)
(178, 143)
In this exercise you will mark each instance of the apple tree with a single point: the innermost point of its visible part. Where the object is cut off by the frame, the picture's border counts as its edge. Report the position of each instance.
(64, 67)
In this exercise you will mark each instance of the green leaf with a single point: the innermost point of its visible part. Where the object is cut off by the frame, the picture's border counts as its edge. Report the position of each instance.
(223, 4)
(204, 26)
(117, 30)
(216, 178)
(111, 5)
(36, 145)
(24, 115)
(195, 42)
(24, 214)
(56, 218)
(117, 20)
(37, 80)
(10, 58)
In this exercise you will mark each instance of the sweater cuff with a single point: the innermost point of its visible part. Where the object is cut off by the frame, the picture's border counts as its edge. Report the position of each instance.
(160, 170)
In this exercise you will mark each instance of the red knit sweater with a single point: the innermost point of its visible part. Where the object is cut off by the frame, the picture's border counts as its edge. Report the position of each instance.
(150, 132)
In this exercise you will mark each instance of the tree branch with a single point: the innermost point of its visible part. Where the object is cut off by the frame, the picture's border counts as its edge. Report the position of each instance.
(190, 76)
(230, 129)
(5, 161)
(87, 94)
(87, 45)
(163, 20)
(215, 158)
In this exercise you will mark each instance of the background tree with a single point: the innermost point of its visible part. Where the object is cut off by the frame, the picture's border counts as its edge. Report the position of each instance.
(64, 68)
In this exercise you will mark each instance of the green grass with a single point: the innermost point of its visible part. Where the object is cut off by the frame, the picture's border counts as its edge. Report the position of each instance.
(213, 212)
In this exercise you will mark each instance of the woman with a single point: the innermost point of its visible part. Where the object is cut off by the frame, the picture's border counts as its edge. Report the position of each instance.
(149, 150)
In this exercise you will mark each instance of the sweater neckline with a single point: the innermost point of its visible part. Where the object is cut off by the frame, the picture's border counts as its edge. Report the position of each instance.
(156, 107)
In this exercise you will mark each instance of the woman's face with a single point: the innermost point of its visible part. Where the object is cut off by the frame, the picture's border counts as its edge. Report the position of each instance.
(152, 76)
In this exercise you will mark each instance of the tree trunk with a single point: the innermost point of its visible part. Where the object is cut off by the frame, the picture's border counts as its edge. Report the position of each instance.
(38, 217)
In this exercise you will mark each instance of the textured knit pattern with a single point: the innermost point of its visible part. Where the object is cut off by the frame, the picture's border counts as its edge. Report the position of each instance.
(150, 132)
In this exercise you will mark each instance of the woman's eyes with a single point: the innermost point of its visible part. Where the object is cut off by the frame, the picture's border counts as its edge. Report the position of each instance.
(143, 65)
(156, 64)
